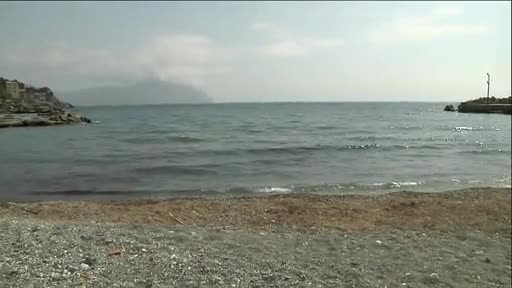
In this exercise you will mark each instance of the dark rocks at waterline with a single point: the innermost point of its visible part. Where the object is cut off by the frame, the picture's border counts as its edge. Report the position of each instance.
(19, 112)
(472, 107)
(85, 119)
(450, 108)
(487, 105)
(40, 119)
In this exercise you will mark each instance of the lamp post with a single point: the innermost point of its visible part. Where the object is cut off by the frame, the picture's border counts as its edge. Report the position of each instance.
(488, 86)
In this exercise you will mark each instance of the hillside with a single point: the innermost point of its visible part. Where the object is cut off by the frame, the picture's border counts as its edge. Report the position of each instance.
(31, 100)
(22, 105)
(145, 92)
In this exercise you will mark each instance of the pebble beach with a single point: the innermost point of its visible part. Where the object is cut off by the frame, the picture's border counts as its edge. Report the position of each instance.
(442, 239)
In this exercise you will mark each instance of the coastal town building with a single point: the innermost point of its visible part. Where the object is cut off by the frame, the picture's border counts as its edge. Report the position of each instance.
(12, 88)
(15, 89)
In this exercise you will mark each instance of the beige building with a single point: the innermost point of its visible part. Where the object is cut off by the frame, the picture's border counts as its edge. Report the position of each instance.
(15, 89)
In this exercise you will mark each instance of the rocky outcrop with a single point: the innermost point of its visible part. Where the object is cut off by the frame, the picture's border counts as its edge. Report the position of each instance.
(484, 105)
(449, 108)
(485, 108)
(37, 107)
(40, 119)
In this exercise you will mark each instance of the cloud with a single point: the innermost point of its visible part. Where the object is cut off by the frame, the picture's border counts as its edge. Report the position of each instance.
(282, 43)
(184, 58)
(448, 11)
(424, 27)
(187, 59)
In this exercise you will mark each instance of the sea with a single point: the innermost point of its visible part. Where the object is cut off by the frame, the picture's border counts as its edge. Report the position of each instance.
(162, 151)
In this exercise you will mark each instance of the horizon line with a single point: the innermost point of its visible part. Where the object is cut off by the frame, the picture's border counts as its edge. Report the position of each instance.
(269, 102)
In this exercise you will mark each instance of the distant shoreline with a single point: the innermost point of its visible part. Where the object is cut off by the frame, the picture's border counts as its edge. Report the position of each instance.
(277, 102)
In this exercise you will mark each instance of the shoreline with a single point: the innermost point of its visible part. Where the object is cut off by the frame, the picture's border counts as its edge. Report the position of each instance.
(477, 207)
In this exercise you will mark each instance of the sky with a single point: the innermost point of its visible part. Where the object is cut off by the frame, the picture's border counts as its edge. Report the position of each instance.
(265, 51)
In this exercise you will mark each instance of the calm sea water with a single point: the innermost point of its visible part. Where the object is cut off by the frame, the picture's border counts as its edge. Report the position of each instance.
(183, 150)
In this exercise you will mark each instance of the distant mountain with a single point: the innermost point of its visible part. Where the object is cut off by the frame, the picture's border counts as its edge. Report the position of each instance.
(145, 92)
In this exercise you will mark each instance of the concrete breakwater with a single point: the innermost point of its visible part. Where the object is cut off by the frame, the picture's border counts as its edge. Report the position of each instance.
(470, 107)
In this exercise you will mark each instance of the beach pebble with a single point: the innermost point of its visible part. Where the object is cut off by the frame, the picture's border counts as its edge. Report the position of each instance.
(89, 260)
(84, 267)
(55, 276)
(378, 242)
(8, 269)
(434, 276)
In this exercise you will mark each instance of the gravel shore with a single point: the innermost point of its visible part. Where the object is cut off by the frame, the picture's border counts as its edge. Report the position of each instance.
(37, 250)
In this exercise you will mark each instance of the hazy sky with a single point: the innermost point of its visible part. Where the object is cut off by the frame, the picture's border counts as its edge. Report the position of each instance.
(265, 51)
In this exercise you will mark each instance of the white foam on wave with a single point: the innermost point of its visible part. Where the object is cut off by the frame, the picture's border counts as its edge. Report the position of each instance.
(462, 128)
(395, 184)
(409, 183)
(406, 183)
(274, 190)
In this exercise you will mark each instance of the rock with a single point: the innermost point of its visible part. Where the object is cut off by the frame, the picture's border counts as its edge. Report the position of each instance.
(55, 276)
(84, 267)
(487, 260)
(11, 123)
(378, 242)
(89, 261)
(36, 122)
(8, 270)
(431, 279)
(55, 117)
(71, 269)
(449, 108)
(85, 119)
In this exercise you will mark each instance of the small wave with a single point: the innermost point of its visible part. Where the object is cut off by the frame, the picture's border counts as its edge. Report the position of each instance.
(344, 187)
(391, 184)
(161, 139)
(184, 139)
(485, 152)
(481, 128)
(325, 127)
(406, 127)
(298, 149)
(462, 128)
(294, 150)
(176, 169)
(294, 121)
(255, 131)
(274, 190)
